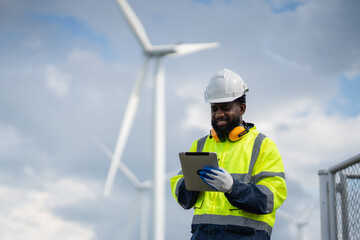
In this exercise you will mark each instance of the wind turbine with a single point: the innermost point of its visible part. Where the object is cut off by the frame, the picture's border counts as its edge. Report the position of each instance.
(141, 188)
(300, 223)
(150, 52)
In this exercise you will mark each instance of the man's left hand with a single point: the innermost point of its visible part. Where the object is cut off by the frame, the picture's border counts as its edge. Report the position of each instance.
(219, 179)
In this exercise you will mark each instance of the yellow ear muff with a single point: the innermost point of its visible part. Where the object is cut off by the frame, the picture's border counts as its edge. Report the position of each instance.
(237, 133)
(234, 135)
(214, 135)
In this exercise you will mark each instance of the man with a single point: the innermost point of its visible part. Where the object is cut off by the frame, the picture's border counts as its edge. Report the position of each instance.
(250, 184)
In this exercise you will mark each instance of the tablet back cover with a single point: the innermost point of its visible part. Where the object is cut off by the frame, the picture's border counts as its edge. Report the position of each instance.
(191, 163)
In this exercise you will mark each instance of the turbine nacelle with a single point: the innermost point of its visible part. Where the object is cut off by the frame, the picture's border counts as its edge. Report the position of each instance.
(159, 51)
(178, 49)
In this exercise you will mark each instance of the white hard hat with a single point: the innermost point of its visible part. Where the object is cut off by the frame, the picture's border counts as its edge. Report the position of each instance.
(225, 86)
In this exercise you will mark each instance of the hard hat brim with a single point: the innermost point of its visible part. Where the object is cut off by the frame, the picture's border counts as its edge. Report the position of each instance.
(222, 100)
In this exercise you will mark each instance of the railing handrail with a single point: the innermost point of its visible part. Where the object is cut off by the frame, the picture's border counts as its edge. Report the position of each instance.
(345, 164)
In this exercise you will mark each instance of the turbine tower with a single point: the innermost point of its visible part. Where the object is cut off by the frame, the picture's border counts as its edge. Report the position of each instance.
(156, 53)
(300, 223)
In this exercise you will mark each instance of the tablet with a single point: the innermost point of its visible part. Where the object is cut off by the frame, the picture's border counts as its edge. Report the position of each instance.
(191, 163)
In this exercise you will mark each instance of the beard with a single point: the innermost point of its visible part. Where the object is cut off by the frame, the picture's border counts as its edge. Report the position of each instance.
(223, 132)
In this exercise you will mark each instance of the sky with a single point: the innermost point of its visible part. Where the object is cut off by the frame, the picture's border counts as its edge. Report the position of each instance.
(66, 72)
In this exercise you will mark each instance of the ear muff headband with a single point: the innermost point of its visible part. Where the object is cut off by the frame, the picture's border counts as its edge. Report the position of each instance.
(234, 135)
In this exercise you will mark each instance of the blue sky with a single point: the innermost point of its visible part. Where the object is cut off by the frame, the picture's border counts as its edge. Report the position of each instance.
(282, 6)
(347, 100)
(71, 27)
(66, 71)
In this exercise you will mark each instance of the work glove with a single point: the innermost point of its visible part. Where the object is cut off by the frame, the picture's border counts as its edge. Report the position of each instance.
(219, 179)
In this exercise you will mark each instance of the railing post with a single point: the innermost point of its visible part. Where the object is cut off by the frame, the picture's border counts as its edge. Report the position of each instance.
(344, 206)
(332, 207)
(324, 204)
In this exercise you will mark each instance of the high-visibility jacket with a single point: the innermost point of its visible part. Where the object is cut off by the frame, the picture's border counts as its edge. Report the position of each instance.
(259, 189)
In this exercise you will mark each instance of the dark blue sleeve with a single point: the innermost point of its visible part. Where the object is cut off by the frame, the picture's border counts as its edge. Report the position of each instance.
(250, 197)
(186, 198)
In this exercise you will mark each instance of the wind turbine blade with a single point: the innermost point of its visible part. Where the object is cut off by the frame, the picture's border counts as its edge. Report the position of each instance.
(184, 49)
(149, 183)
(129, 116)
(309, 210)
(130, 175)
(122, 167)
(135, 24)
(104, 148)
(286, 216)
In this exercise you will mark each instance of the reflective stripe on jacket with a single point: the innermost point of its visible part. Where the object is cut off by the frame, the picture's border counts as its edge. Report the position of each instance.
(259, 184)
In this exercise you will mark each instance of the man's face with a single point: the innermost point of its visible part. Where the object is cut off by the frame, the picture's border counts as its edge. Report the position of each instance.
(226, 116)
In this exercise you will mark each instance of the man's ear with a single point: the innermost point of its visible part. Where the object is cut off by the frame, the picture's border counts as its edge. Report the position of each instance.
(242, 108)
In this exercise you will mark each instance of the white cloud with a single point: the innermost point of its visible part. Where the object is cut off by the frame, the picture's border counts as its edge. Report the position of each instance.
(197, 117)
(10, 137)
(68, 191)
(190, 90)
(198, 112)
(57, 81)
(27, 214)
(309, 139)
(287, 62)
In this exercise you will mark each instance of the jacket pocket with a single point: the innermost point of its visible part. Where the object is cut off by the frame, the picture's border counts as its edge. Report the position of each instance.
(199, 201)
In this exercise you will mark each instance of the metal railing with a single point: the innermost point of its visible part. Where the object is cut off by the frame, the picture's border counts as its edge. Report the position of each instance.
(340, 200)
